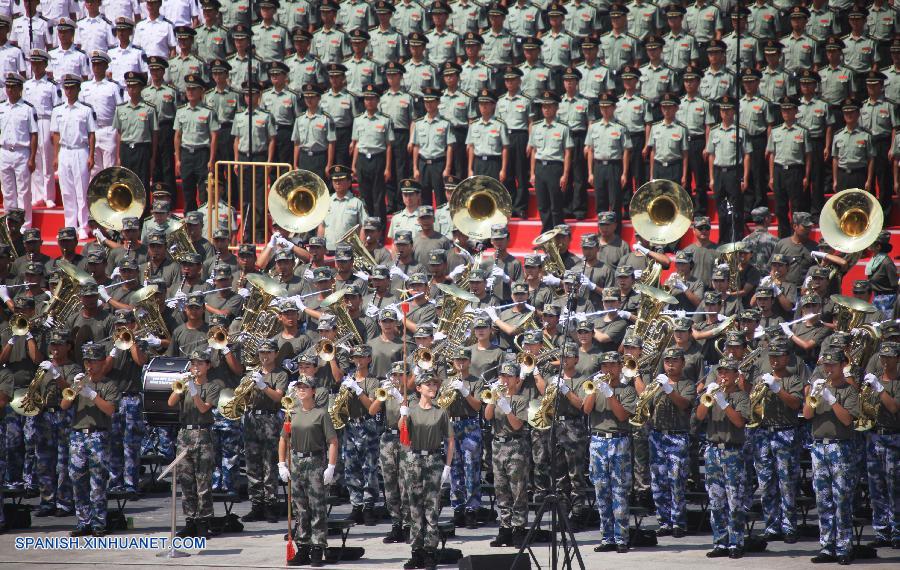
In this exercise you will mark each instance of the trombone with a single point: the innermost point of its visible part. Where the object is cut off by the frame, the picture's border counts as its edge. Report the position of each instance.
(123, 338)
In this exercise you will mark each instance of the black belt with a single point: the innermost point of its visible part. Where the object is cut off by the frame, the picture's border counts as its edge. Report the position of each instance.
(550, 162)
(486, 157)
(696, 137)
(672, 431)
(426, 452)
(725, 168)
(727, 445)
(778, 428)
(507, 438)
(789, 166)
(194, 150)
(880, 139)
(852, 170)
(609, 435)
(197, 426)
(226, 124)
(461, 418)
(607, 161)
(284, 127)
(167, 123)
(89, 429)
(668, 164)
(512, 131)
(252, 155)
(135, 145)
(830, 440)
(262, 412)
(637, 134)
(372, 155)
(305, 454)
(313, 152)
(434, 160)
(393, 431)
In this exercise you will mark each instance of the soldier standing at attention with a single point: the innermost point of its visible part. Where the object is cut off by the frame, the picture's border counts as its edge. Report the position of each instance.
(195, 404)
(283, 105)
(361, 70)
(185, 63)
(164, 98)
(433, 146)
(498, 47)
(341, 106)
(608, 154)
(399, 106)
(213, 41)
(879, 117)
(725, 141)
(656, 77)
(303, 67)
(618, 48)
(536, 76)
(329, 43)
(757, 117)
(668, 143)
(815, 115)
(633, 112)
(576, 111)
(72, 126)
(789, 156)
(271, 40)
(102, 95)
(225, 101)
(457, 106)
(515, 110)
(196, 140)
(680, 48)
(137, 123)
(43, 93)
(386, 42)
(240, 60)
(372, 136)
(255, 146)
(695, 113)
(314, 135)
(488, 141)
(446, 45)
(550, 146)
(475, 74)
(853, 161)
(93, 405)
(19, 138)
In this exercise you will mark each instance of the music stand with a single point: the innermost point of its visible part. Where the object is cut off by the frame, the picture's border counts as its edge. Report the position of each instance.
(173, 467)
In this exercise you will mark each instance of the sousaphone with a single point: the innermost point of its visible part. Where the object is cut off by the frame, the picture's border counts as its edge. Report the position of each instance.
(661, 212)
(478, 203)
(299, 201)
(851, 220)
(114, 194)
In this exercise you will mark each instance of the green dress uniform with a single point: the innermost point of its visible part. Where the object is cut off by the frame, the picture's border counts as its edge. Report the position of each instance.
(516, 112)
(180, 67)
(239, 64)
(852, 149)
(789, 147)
(800, 52)
(550, 143)
(578, 113)
(419, 75)
(816, 117)
(443, 46)
(536, 78)
(196, 123)
(410, 16)
(386, 45)
(751, 52)
(475, 76)
(703, 20)
(404, 220)
(608, 141)
(498, 48)
(836, 83)
(756, 116)
(775, 83)
(458, 107)
(164, 98)
(860, 53)
(669, 142)
(304, 69)
(212, 42)
(361, 72)
(400, 107)
(634, 113)
(341, 107)
(618, 50)
(196, 470)
(235, 12)
(331, 46)
(372, 133)
(596, 78)
(432, 137)
(653, 82)
(226, 103)
(679, 50)
(879, 117)
(763, 21)
(136, 125)
(284, 107)
(263, 130)
(722, 146)
(272, 42)
(312, 134)
(487, 138)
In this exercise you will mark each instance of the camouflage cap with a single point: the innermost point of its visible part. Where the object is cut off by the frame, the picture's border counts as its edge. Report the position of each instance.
(888, 350)
(424, 330)
(437, 256)
(288, 306)
(361, 351)
(520, 288)
(124, 317)
(461, 353)
(192, 258)
(606, 218)
(195, 300)
(425, 377)
(59, 336)
(735, 338)
(832, 357)
(610, 356)
(633, 341)
(309, 357)
(673, 352)
(533, 260)
(625, 271)
(583, 325)
(88, 288)
(327, 323)
(403, 237)
(399, 367)
(343, 252)
(683, 324)
(509, 369)
(322, 274)
(552, 310)
(201, 354)
(712, 298)
(268, 345)
(811, 299)
(24, 302)
(778, 347)
(534, 336)
(31, 234)
(729, 364)
(246, 250)
(780, 259)
(93, 351)
(417, 278)
(481, 321)
(611, 294)
(590, 241)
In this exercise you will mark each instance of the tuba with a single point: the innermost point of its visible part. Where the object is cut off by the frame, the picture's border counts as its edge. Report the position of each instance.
(454, 321)
(661, 213)
(146, 312)
(652, 325)
(478, 203)
(298, 201)
(114, 194)
(346, 328)
(553, 264)
(851, 220)
(65, 302)
(260, 319)
(29, 401)
(730, 254)
(362, 259)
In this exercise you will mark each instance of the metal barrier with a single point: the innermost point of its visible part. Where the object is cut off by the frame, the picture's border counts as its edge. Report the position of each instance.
(236, 184)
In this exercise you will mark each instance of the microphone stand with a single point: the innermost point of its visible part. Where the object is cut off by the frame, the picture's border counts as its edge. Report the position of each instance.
(559, 520)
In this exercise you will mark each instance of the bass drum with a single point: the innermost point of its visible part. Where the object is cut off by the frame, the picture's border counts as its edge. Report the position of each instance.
(157, 386)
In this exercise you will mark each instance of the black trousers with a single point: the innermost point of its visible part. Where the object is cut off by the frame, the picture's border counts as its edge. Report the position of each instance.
(432, 173)
(637, 170)
(758, 184)
(314, 162)
(578, 201)
(673, 171)
(852, 178)
(487, 166)
(136, 158)
(460, 166)
(884, 174)
(518, 170)
(370, 174)
(548, 192)
(165, 156)
(401, 168)
(727, 186)
(284, 147)
(342, 145)
(698, 172)
(194, 169)
(254, 210)
(818, 175)
(225, 151)
(788, 188)
(608, 185)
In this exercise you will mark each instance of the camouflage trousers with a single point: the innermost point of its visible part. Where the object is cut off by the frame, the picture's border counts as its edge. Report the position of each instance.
(569, 458)
(227, 448)
(28, 462)
(668, 469)
(725, 485)
(391, 454)
(89, 471)
(159, 440)
(510, 462)
(883, 462)
(359, 449)
(751, 435)
(423, 494)
(195, 473)
(834, 495)
(52, 443)
(775, 456)
(465, 470)
(640, 449)
(125, 444)
(261, 432)
(541, 458)
(2, 466)
(611, 477)
(885, 304)
(310, 500)
(15, 447)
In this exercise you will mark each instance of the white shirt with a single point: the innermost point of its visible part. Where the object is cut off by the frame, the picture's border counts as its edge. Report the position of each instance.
(155, 37)
(72, 60)
(43, 94)
(10, 8)
(94, 34)
(124, 60)
(180, 12)
(18, 122)
(113, 9)
(102, 96)
(73, 124)
(53, 10)
(12, 60)
(40, 32)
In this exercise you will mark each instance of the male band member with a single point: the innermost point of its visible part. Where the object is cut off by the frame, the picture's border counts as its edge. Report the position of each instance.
(19, 139)
(550, 145)
(137, 122)
(789, 153)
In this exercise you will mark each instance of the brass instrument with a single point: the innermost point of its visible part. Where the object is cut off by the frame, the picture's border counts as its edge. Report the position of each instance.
(750, 359)
(869, 406)
(6, 236)
(541, 412)
(345, 325)
(655, 328)
(260, 319)
(589, 386)
(553, 263)
(217, 337)
(454, 322)
(339, 410)
(179, 385)
(447, 395)
(114, 194)
(851, 220)
(815, 396)
(484, 261)
(123, 338)
(424, 358)
(19, 324)
(721, 330)
(478, 203)
(642, 409)
(382, 394)
(362, 259)
(287, 404)
(65, 301)
(298, 201)
(146, 313)
(179, 242)
(759, 397)
(709, 397)
(236, 405)
(29, 401)
(225, 396)
(661, 213)
(489, 396)
(850, 313)
(730, 254)
(630, 366)
(326, 349)
(71, 392)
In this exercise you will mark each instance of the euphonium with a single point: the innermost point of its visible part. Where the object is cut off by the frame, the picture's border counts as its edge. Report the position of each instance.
(30, 402)
(123, 338)
(642, 409)
(709, 397)
(147, 315)
(362, 259)
(339, 411)
(65, 300)
(759, 396)
(71, 392)
(235, 407)
(869, 405)
(217, 337)
(553, 264)
(541, 412)
(815, 396)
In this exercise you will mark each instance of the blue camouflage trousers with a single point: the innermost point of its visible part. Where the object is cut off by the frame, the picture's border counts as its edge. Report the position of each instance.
(2, 466)
(28, 463)
(611, 476)
(751, 436)
(725, 485)
(668, 472)
(159, 440)
(52, 447)
(359, 449)
(832, 475)
(125, 444)
(261, 432)
(775, 455)
(465, 471)
(391, 455)
(883, 462)
(89, 472)
(15, 447)
(227, 444)
(885, 304)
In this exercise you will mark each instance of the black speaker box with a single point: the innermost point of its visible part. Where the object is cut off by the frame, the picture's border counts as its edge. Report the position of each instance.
(495, 562)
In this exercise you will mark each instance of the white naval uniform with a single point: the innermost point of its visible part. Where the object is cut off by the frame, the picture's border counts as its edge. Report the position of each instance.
(73, 124)
(94, 34)
(155, 37)
(43, 94)
(53, 10)
(72, 60)
(12, 60)
(181, 12)
(131, 58)
(18, 121)
(113, 9)
(103, 97)
(38, 37)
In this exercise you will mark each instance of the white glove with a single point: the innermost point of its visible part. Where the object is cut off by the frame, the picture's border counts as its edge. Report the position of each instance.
(720, 317)
(274, 239)
(308, 274)
(819, 254)
(817, 383)
(88, 392)
(759, 332)
(638, 273)
(529, 307)
(460, 387)
(98, 235)
(664, 383)
(770, 381)
(445, 475)
(115, 273)
(152, 341)
(624, 314)
(712, 387)
(101, 290)
(776, 290)
(872, 380)
(258, 380)
(829, 398)
(680, 314)
(492, 313)
(765, 281)
(4, 294)
(225, 350)
(99, 302)
(395, 393)
(787, 330)
(722, 266)
(404, 410)
(243, 292)
(362, 275)
(177, 301)
(806, 282)
(395, 271)
(489, 283)
(720, 400)
(50, 368)
(551, 280)
(680, 285)
(372, 311)
(284, 243)
(298, 300)
(78, 377)
(283, 472)
(351, 384)
(11, 341)
(328, 475)
(438, 335)
(503, 406)
(588, 283)
(604, 388)
(523, 374)
(456, 271)
(498, 272)
(50, 322)
(640, 249)
(562, 386)
(192, 388)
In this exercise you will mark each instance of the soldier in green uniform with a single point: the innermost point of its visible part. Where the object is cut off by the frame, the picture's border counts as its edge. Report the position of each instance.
(815, 115)
(515, 110)
(668, 144)
(852, 152)
(757, 117)
(656, 77)
(550, 145)
(750, 52)
(387, 44)
(433, 145)
(789, 155)
(283, 105)
(618, 48)
(185, 62)
(136, 121)
(488, 140)
(271, 40)
(458, 107)
(608, 150)
(313, 135)
(861, 50)
(444, 44)
(729, 175)
(633, 112)
(329, 43)
(680, 48)
(361, 70)
(304, 67)
(837, 79)
(879, 117)
(243, 64)
(164, 98)
(474, 75)
(196, 138)
(254, 141)
(372, 136)
(776, 82)
(695, 113)
(341, 106)
(400, 107)
(226, 101)
(212, 40)
(536, 76)
(420, 72)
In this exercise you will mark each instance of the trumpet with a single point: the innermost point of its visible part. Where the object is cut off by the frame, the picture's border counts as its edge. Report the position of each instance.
(424, 358)
(72, 391)
(709, 397)
(527, 361)
(815, 396)
(326, 349)
(217, 337)
(489, 396)
(590, 386)
(382, 394)
(288, 403)
(179, 385)
(630, 367)
(123, 338)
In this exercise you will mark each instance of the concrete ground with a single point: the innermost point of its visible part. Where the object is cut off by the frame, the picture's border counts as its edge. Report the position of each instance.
(261, 545)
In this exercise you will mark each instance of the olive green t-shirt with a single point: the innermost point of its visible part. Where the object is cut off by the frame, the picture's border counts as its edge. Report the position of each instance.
(311, 430)
(825, 423)
(428, 428)
(719, 428)
(885, 419)
(460, 408)
(188, 413)
(50, 389)
(276, 380)
(777, 414)
(564, 406)
(665, 414)
(500, 423)
(87, 414)
(357, 410)
(483, 360)
(602, 418)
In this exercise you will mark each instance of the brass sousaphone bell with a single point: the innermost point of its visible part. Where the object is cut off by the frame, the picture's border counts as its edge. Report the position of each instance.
(851, 220)
(661, 212)
(299, 201)
(114, 194)
(478, 203)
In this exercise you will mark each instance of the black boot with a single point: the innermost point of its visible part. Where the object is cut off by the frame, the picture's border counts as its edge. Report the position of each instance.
(272, 512)
(471, 519)
(504, 537)
(415, 561)
(301, 558)
(430, 559)
(369, 516)
(459, 517)
(396, 535)
(519, 534)
(202, 528)
(190, 528)
(255, 514)
(356, 515)
(316, 557)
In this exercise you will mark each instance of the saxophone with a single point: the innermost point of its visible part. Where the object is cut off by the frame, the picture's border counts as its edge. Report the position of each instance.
(642, 409)
(32, 401)
(339, 410)
(759, 397)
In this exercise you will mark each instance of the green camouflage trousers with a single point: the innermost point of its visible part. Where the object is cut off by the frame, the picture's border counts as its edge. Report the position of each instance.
(195, 472)
(423, 495)
(310, 500)
(511, 480)
(391, 456)
(261, 456)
